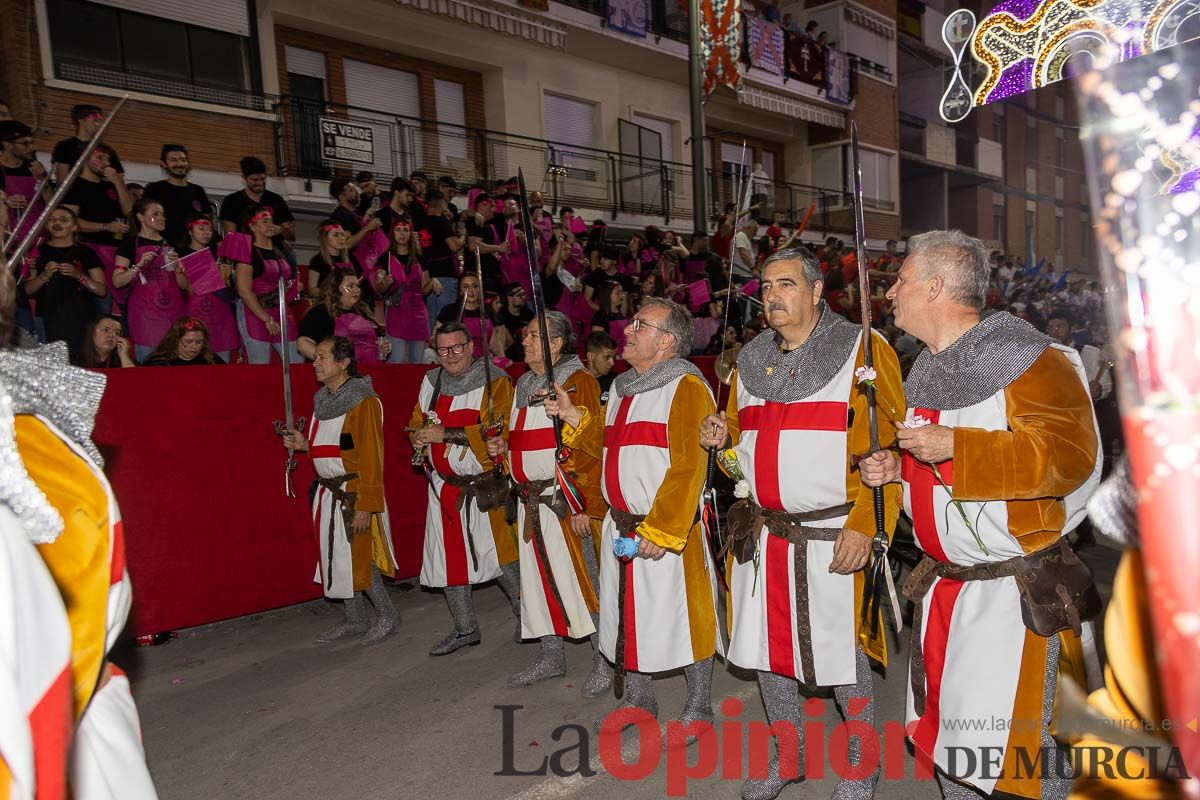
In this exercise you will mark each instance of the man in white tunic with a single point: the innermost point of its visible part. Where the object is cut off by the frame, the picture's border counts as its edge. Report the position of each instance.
(468, 541)
(797, 420)
(555, 542)
(657, 608)
(998, 456)
(345, 443)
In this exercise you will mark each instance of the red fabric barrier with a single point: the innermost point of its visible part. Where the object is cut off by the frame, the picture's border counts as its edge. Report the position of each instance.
(198, 472)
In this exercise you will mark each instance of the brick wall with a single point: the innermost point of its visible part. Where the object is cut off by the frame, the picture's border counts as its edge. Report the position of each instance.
(215, 141)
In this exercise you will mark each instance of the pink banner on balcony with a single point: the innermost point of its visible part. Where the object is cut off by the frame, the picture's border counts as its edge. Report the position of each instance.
(765, 40)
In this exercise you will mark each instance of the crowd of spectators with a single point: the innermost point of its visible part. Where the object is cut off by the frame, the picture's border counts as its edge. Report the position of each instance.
(128, 275)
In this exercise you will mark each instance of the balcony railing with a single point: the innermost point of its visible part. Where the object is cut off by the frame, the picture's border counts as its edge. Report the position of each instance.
(131, 80)
(567, 175)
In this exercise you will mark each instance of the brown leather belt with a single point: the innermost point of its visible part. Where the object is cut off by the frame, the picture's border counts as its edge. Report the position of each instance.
(626, 524)
(747, 518)
(919, 582)
(347, 501)
(531, 497)
(468, 486)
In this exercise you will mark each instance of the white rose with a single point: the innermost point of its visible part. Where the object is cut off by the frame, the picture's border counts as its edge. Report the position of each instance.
(741, 490)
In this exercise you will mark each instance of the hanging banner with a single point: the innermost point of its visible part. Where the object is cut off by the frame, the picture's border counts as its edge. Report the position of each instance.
(765, 40)
(804, 60)
(837, 76)
(631, 17)
(720, 43)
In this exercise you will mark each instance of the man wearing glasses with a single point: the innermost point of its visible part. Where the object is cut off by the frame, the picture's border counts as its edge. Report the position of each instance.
(658, 607)
(467, 538)
(796, 419)
(20, 173)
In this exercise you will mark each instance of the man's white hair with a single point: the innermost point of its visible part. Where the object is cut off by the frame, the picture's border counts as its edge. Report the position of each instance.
(961, 261)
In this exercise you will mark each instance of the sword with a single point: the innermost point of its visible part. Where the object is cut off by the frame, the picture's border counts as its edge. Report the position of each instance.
(288, 422)
(709, 494)
(561, 453)
(878, 577)
(491, 427)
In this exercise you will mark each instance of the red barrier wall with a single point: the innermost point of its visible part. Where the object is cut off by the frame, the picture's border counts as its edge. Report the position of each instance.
(198, 472)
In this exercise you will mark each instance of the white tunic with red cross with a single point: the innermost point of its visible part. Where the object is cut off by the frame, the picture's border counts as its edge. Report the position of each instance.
(107, 757)
(531, 458)
(36, 701)
(446, 558)
(972, 634)
(325, 450)
(658, 631)
(794, 457)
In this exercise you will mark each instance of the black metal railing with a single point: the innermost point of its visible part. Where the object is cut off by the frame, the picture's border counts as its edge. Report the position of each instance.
(131, 80)
(567, 175)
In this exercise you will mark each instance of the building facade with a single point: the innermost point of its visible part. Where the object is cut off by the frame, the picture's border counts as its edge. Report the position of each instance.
(597, 118)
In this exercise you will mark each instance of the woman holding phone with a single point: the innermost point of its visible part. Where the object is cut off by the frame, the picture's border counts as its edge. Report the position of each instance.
(257, 281)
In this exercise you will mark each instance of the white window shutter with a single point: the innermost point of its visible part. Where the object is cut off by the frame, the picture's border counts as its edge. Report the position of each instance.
(569, 121)
(380, 93)
(305, 62)
(663, 128)
(451, 110)
(230, 16)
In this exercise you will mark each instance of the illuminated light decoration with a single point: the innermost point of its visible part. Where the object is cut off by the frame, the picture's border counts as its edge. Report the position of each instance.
(1025, 44)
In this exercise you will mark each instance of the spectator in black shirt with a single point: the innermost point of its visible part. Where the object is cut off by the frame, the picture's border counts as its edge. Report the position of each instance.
(66, 277)
(441, 246)
(605, 274)
(87, 119)
(233, 207)
(179, 197)
(514, 315)
(184, 345)
(601, 355)
(402, 204)
(20, 173)
(482, 233)
(449, 189)
(369, 196)
(333, 254)
(420, 184)
(611, 317)
(104, 347)
(101, 205)
(345, 193)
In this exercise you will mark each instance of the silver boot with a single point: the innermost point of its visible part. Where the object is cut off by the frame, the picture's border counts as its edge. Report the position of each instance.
(354, 625)
(551, 663)
(466, 627)
(599, 680)
(781, 697)
(510, 584)
(387, 619)
(639, 693)
(863, 687)
(698, 706)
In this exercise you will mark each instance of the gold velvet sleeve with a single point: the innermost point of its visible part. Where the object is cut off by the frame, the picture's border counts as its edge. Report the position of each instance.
(1049, 448)
(364, 423)
(502, 397)
(674, 510)
(588, 448)
(731, 410)
(79, 558)
(889, 401)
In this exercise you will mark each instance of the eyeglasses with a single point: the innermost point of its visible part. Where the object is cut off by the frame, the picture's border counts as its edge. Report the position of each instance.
(637, 323)
(457, 349)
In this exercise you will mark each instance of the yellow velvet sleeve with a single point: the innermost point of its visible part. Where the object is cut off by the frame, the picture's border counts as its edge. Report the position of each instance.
(364, 423)
(889, 402)
(79, 559)
(1049, 448)
(502, 397)
(674, 510)
(588, 448)
(731, 410)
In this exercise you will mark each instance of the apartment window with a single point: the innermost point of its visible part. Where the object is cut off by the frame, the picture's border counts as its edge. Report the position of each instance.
(1058, 234)
(1085, 238)
(832, 168)
(450, 100)
(1031, 142)
(1060, 149)
(870, 45)
(998, 224)
(1029, 226)
(178, 50)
